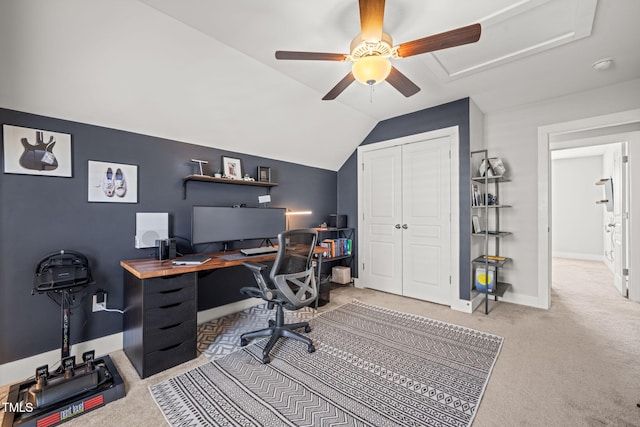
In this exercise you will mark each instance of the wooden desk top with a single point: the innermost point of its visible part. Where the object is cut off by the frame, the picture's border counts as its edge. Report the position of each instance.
(147, 268)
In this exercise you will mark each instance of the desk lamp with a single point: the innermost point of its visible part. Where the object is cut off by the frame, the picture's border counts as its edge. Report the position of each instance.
(290, 213)
(200, 163)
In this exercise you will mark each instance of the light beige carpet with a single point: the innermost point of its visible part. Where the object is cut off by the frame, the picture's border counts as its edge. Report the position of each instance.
(573, 365)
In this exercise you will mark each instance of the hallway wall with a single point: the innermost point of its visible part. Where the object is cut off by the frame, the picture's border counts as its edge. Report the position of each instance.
(577, 220)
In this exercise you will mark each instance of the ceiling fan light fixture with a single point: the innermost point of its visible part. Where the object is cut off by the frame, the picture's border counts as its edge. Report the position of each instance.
(371, 70)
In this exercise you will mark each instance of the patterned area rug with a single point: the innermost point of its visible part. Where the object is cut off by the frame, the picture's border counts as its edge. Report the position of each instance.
(221, 336)
(372, 367)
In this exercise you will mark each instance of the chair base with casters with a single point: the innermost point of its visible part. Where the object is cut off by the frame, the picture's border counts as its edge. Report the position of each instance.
(292, 286)
(276, 330)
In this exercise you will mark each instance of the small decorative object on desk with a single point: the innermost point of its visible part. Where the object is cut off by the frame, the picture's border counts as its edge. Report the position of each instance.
(247, 177)
(264, 174)
(232, 168)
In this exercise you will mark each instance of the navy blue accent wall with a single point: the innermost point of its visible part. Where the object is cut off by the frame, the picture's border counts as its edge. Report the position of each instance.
(455, 113)
(40, 214)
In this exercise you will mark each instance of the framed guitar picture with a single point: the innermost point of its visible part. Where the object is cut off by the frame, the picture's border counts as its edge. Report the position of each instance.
(36, 152)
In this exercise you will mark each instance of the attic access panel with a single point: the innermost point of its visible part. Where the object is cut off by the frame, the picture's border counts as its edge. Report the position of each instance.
(515, 32)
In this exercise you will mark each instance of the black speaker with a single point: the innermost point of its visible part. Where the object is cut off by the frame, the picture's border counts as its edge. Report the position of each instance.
(337, 221)
(165, 249)
(172, 248)
(162, 250)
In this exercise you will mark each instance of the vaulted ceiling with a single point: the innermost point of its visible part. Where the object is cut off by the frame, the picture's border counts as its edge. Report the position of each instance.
(204, 72)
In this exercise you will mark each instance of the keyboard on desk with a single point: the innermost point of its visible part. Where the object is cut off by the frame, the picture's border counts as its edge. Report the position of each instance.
(258, 251)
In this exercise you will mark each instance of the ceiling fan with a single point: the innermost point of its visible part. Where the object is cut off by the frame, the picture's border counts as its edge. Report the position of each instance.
(371, 50)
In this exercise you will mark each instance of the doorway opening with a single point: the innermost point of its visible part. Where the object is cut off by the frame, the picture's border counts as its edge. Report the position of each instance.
(588, 200)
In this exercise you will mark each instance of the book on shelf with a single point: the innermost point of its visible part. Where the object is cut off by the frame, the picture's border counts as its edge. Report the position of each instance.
(485, 280)
(493, 258)
(475, 195)
(337, 247)
(475, 222)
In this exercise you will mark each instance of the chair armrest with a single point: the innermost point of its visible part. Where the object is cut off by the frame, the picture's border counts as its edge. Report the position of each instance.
(252, 291)
(254, 266)
(262, 291)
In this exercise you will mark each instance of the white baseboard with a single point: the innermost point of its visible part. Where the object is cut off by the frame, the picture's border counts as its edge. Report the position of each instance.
(224, 310)
(512, 298)
(530, 301)
(477, 300)
(576, 255)
(463, 305)
(19, 370)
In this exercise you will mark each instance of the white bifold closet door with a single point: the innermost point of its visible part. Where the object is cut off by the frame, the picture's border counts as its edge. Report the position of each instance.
(406, 219)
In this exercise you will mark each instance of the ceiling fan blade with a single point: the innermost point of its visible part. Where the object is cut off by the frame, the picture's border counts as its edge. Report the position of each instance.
(340, 87)
(371, 18)
(402, 83)
(310, 56)
(457, 37)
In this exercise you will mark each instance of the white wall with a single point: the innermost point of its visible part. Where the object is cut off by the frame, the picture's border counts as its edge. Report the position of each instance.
(513, 135)
(576, 219)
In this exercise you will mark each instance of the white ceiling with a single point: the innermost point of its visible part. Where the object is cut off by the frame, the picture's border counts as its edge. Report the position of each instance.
(204, 72)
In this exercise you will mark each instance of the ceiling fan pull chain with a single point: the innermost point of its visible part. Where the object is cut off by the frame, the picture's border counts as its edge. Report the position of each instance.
(370, 94)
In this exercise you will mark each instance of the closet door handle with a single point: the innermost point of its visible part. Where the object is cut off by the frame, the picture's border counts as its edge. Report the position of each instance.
(397, 226)
(404, 226)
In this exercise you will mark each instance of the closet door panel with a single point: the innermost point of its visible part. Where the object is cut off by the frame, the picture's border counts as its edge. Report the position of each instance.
(382, 213)
(426, 186)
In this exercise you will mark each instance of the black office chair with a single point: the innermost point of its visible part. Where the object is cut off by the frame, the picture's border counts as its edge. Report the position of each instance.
(291, 285)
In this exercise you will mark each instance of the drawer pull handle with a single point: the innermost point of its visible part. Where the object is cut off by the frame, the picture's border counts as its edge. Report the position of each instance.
(171, 291)
(171, 347)
(175, 325)
(171, 305)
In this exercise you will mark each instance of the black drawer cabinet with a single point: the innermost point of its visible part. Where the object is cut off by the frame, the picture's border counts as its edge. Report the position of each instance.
(159, 321)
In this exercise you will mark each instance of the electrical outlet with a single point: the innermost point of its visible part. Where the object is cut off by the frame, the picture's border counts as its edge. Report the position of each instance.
(99, 306)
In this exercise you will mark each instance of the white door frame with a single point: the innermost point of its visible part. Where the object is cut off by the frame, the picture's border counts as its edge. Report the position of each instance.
(453, 133)
(544, 202)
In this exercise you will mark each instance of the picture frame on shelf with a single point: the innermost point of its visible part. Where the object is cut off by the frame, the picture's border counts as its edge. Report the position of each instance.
(36, 152)
(264, 174)
(231, 168)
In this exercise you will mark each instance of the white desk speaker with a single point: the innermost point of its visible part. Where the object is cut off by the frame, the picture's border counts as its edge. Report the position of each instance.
(151, 226)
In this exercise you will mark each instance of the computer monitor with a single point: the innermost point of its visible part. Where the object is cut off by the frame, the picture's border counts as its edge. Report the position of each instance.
(214, 224)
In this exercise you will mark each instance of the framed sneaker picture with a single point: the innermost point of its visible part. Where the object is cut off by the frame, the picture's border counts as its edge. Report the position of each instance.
(112, 182)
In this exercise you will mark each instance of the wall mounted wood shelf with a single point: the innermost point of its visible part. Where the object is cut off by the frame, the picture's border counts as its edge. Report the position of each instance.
(205, 178)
